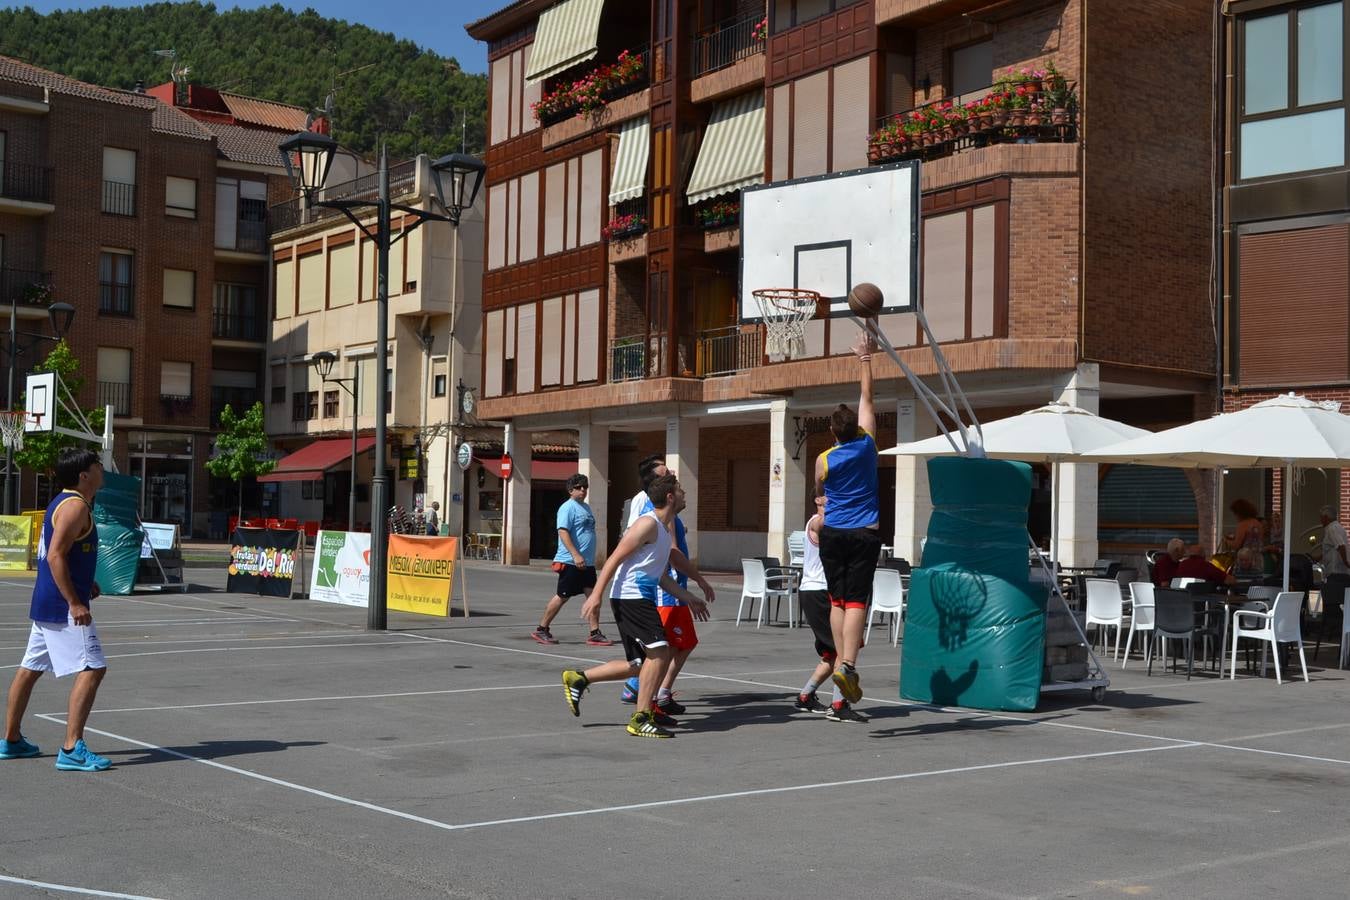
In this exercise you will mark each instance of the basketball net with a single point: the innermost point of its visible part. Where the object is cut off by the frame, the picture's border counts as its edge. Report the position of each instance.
(12, 422)
(785, 312)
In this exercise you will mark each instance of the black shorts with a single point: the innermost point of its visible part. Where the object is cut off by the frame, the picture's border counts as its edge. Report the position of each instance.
(849, 557)
(640, 627)
(816, 610)
(573, 580)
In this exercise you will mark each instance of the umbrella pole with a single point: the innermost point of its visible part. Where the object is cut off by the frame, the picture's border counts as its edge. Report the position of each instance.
(1054, 517)
(1288, 517)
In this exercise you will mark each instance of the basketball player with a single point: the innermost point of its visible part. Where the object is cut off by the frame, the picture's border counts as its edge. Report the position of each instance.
(815, 602)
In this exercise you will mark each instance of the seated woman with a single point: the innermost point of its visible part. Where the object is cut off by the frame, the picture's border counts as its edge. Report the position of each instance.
(1248, 565)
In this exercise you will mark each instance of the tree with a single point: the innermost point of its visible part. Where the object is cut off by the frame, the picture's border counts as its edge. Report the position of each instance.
(241, 448)
(41, 448)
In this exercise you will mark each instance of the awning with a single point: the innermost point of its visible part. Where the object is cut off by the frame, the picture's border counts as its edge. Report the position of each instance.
(540, 469)
(630, 170)
(311, 461)
(567, 34)
(732, 154)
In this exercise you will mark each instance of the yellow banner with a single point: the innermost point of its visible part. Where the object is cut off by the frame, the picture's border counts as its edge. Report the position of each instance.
(421, 573)
(15, 542)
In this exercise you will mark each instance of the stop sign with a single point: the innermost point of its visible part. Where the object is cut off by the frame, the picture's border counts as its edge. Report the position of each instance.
(506, 465)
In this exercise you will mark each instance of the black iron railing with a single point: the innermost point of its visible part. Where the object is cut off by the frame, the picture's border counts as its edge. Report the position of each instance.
(115, 298)
(234, 326)
(628, 358)
(20, 181)
(250, 237)
(727, 44)
(117, 394)
(119, 198)
(293, 213)
(25, 287)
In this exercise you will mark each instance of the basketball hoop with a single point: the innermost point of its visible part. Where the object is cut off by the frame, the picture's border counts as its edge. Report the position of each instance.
(785, 312)
(12, 422)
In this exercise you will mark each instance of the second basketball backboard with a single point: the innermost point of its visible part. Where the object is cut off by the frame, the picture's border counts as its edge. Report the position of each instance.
(40, 401)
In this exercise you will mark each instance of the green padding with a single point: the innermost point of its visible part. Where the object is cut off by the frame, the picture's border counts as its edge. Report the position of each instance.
(975, 626)
(119, 533)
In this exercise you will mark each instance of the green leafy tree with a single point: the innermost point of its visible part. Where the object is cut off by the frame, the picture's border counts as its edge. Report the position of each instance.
(41, 448)
(241, 448)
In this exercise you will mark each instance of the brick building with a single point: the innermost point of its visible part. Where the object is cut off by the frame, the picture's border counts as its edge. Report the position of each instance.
(1066, 256)
(147, 212)
(1285, 196)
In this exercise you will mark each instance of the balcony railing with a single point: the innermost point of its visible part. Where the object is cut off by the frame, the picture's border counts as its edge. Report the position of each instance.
(116, 394)
(250, 237)
(978, 119)
(725, 351)
(25, 287)
(628, 358)
(630, 220)
(727, 44)
(115, 298)
(233, 326)
(176, 404)
(560, 104)
(293, 213)
(119, 198)
(20, 181)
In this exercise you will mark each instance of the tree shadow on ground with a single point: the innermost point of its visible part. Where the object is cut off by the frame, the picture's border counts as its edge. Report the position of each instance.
(208, 750)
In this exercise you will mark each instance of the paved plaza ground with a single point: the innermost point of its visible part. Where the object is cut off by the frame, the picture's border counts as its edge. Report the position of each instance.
(275, 748)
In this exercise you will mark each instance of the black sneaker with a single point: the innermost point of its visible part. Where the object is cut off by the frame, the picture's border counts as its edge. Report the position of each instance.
(663, 718)
(574, 685)
(845, 713)
(642, 725)
(671, 706)
(809, 703)
(543, 636)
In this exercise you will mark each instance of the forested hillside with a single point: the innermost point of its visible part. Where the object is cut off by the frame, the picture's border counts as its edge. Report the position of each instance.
(413, 96)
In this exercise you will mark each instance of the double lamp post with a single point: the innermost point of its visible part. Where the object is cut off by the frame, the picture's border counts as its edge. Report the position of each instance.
(456, 178)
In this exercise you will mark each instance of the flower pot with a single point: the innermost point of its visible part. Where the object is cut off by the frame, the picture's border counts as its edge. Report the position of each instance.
(998, 118)
(1059, 116)
(1017, 118)
(1033, 84)
(1034, 118)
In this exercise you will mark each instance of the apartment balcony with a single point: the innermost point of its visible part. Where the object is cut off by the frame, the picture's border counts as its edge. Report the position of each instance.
(26, 190)
(249, 244)
(30, 291)
(566, 113)
(176, 405)
(726, 351)
(716, 352)
(729, 58)
(115, 394)
(719, 220)
(119, 198)
(243, 327)
(403, 182)
(626, 231)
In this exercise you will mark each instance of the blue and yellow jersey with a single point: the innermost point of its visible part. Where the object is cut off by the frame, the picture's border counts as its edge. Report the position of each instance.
(49, 604)
(850, 481)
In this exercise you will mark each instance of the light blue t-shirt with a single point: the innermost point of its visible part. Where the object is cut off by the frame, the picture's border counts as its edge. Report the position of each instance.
(579, 521)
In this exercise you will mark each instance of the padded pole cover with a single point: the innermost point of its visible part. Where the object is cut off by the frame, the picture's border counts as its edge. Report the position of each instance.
(119, 533)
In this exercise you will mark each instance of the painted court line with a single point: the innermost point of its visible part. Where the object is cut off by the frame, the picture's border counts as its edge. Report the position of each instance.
(628, 807)
(552, 685)
(246, 649)
(69, 889)
(124, 642)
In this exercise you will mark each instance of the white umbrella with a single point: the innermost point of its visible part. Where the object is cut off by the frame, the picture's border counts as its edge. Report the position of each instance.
(1048, 434)
(1287, 431)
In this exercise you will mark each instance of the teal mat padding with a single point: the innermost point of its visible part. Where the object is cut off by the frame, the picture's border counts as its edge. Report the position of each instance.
(119, 534)
(975, 623)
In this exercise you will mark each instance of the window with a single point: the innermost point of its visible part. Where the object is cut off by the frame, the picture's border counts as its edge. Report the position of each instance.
(278, 385)
(175, 380)
(330, 404)
(1292, 95)
(235, 314)
(304, 406)
(119, 181)
(116, 282)
(439, 379)
(114, 379)
(438, 386)
(180, 197)
(972, 68)
(180, 288)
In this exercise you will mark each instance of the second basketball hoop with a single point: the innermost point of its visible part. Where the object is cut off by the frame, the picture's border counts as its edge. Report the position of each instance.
(785, 312)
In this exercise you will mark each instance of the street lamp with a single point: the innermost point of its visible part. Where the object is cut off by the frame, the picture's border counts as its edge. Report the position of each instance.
(308, 157)
(323, 364)
(60, 315)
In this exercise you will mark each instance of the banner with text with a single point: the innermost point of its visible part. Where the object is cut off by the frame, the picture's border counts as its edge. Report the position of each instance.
(262, 561)
(341, 568)
(421, 573)
(15, 543)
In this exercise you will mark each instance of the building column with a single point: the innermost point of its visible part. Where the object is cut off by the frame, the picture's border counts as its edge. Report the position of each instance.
(682, 459)
(787, 482)
(516, 512)
(913, 501)
(1077, 482)
(593, 462)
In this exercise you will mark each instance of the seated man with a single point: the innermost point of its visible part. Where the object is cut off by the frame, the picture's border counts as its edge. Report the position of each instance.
(1195, 565)
(1165, 566)
(1248, 565)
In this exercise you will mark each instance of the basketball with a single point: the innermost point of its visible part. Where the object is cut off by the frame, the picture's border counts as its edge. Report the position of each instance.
(865, 300)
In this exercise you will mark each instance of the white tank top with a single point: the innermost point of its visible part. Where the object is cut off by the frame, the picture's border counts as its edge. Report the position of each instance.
(813, 573)
(639, 576)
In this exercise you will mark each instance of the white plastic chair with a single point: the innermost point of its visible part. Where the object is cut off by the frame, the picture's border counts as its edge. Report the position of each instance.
(1181, 583)
(1104, 608)
(796, 548)
(1278, 626)
(780, 583)
(888, 596)
(752, 588)
(1141, 619)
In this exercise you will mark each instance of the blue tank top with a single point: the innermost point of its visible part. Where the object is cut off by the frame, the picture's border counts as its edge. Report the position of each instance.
(49, 604)
(851, 484)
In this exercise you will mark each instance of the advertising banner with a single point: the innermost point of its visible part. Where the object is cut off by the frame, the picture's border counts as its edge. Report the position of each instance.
(421, 573)
(15, 542)
(341, 568)
(262, 561)
(159, 535)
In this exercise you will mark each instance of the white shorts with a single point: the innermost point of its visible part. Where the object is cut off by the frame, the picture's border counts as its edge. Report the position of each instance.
(63, 649)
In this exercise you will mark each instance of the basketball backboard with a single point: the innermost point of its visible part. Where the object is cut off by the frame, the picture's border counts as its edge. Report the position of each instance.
(40, 401)
(827, 233)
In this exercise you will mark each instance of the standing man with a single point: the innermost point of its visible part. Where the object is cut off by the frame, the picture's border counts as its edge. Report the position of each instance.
(63, 639)
(574, 562)
(1335, 568)
(815, 603)
(638, 570)
(433, 520)
(850, 540)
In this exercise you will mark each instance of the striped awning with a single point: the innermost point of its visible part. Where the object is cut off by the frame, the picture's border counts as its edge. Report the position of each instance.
(732, 154)
(567, 34)
(630, 169)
